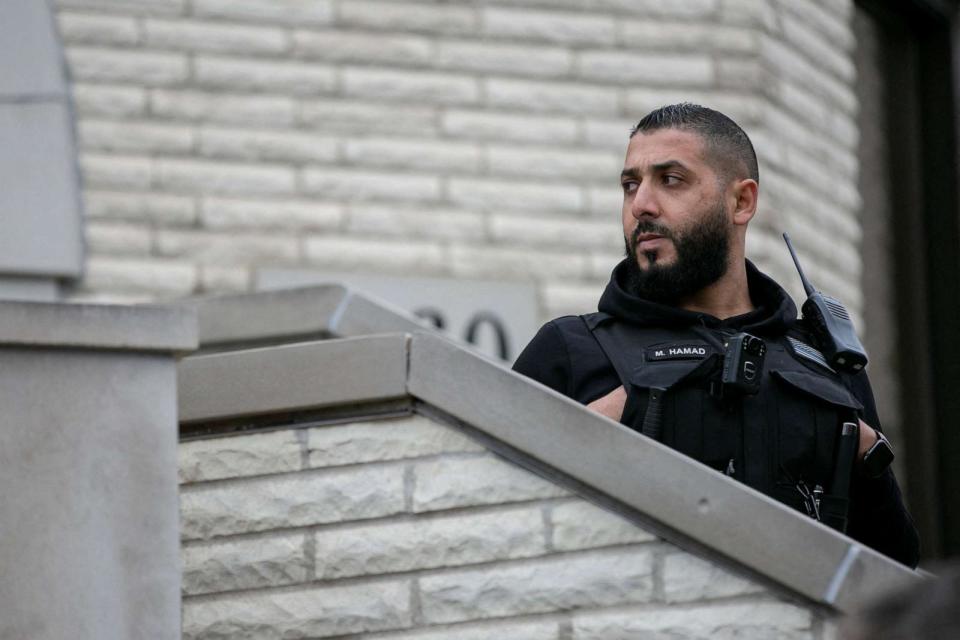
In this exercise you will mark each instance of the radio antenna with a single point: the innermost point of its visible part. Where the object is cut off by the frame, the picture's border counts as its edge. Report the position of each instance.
(806, 283)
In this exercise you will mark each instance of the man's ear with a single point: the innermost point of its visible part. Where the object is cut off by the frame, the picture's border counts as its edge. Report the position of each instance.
(745, 193)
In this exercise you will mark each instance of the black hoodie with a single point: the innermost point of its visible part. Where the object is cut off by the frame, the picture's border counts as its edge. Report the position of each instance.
(565, 356)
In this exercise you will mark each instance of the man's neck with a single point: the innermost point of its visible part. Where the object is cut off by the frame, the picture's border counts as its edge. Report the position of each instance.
(727, 297)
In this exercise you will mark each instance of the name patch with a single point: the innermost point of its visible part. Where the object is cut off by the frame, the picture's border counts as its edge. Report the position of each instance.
(687, 351)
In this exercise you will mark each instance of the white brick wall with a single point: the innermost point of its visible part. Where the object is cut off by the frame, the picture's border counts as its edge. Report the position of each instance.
(404, 528)
(464, 140)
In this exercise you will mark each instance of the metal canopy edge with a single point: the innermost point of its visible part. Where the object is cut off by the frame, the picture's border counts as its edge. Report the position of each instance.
(167, 329)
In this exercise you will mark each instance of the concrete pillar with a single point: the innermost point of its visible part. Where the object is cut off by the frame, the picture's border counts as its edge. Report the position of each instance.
(88, 434)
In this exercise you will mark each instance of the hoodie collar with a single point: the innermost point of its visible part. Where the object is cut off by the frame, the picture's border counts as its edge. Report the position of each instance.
(774, 310)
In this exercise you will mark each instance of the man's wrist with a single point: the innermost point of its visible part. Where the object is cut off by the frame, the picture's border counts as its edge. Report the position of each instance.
(878, 457)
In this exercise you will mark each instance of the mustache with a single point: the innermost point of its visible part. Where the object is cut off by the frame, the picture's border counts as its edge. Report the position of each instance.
(648, 226)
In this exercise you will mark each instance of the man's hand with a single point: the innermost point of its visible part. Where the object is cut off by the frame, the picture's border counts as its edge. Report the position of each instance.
(868, 437)
(611, 405)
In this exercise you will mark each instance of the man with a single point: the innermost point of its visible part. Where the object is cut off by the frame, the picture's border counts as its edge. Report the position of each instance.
(653, 355)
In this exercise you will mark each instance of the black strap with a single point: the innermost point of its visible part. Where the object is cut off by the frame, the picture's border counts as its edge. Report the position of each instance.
(611, 348)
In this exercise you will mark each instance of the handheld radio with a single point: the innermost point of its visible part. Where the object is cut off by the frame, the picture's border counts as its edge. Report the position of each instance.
(831, 325)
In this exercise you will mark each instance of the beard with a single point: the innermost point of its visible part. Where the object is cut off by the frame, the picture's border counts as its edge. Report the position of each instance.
(701, 259)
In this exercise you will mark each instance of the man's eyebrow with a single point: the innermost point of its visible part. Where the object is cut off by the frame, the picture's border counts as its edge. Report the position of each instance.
(659, 167)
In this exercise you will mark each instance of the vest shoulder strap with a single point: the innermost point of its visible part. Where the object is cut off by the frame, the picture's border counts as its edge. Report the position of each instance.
(602, 332)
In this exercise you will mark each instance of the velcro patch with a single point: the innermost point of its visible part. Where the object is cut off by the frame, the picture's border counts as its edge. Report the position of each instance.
(678, 351)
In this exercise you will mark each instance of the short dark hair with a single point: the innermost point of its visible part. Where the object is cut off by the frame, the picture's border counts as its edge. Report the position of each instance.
(725, 141)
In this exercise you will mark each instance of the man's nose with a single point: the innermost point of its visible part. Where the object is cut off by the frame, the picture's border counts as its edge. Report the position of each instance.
(644, 203)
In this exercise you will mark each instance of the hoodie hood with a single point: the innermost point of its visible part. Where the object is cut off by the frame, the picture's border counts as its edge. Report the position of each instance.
(774, 310)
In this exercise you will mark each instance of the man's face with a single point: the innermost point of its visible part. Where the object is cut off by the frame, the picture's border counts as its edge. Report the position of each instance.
(676, 222)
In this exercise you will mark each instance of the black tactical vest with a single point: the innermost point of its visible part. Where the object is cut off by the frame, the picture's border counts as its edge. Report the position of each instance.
(780, 441)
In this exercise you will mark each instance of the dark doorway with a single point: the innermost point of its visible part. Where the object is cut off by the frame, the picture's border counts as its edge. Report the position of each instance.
(908, 78)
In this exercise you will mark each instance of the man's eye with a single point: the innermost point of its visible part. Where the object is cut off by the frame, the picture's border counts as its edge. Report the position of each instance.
(671, 179)
(629, 187)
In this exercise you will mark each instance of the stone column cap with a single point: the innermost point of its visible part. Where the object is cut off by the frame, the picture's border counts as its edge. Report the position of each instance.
(166, 329)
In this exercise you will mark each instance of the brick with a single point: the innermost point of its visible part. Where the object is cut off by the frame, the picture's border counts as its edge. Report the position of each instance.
(811, 170)
(238, 456)
(348, 253)
(687, 578)
(419, 222)
(493, 630)
(684, 36)
(791, 131)
(552, 97)
(486, 125)
(606, 202)
(552, 231)
(253, 110)
(147, 206)
(217, 279)
(833, 22)
(294, 500)
(411, 153)
(426, 543)
(80, 28)
(745, 74)
(689, 70)
(601, 265)
(822, 51)
(844, 129)
(101, 100)
(408, 16)
(479, 261)
(355, 184)
(287, 12)
(677, 9)
(245, 74)
(581, 525)
(347, 46)
(302, 613)
(488, 57)
(247, 213)
(116, 171)
(787, 62)
(380, 440)
(133, 137)
(417, 86)
(508, 194)
(117, 239)
(232, 249)
(208, 177)
(136, 7)
(349, 117)
(254, 145)
(735, 620)
(595, 579)
(458, 482)
(244, 564)
(609, 134)
(808, 107)
(137, 67)
(546, 162)
(189, 35)
(161, 277)
(562, 299)
(564, 28)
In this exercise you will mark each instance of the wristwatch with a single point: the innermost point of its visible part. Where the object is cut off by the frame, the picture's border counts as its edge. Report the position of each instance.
(878, 457)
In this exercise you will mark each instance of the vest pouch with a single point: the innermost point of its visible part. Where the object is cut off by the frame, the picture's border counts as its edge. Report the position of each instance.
(810, 408)
(680, 400)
